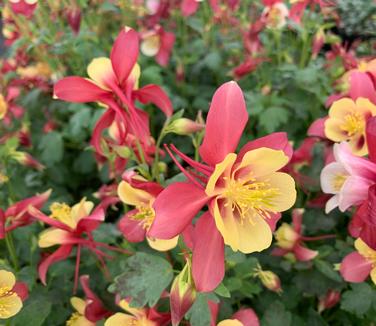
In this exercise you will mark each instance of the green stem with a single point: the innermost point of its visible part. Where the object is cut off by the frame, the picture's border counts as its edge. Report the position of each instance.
(155, 169)
(12, 251)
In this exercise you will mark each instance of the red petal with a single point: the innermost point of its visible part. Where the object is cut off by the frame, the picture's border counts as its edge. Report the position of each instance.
(276, 140)
(371, 138)
(208, 267)
(317, 128)
(189, 7)
(355, 268)
(225, 123)
(60, 254)
(175, 207)
(156, 95)
(304, 254)
(272, 220)
(48, 220)
(22, 290)
(124, 54)
(167, 43)
(131, 229)
(2, 224)
(361, 85)
(247, 316)
(79, 90)
(91, 222)
(297, 217)
(104, 122)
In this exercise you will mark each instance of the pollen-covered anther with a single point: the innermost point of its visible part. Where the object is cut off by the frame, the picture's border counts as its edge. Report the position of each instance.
(353, 124)
(145, 214)
(251, 198)
(60, 211)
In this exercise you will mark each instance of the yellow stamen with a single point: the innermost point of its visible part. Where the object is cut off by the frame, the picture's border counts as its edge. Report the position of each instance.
(145, 214)
(338, 181)
(354, 124)
(60, 211)
(250, 198)
(73, 319)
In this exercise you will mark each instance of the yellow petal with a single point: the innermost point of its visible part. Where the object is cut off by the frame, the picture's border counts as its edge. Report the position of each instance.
(341, 108)
(133, 196)
(150, 45)
(77, 320)
(80, 210)
(365, 250)
(10, 305)
(333, 130)
(101, 72)
(262, 161)
(365, 106)
(162, 244)
(120, 319)
(230, 322)
(78, 304)
(137, 312)
(221, 168)
(51, 237)
(285, 185)
(7, 280)
(247, 235)
(134, 76)
(373, 275)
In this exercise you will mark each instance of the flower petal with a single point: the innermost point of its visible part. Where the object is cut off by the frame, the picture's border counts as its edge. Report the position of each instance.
(101, 72)
(276, 140)
(247, 316)
(208, 267)
(156, 95)
(163, 244)
(124, 53)
(131, 229)
(175, 207)
(7, 279)
(13, 304)
(361, 85)
(132, 195)
(79, 90)
(355, 268)
(304, 254)
(227, 114)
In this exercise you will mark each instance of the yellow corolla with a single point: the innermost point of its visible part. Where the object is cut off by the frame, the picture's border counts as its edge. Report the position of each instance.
(246, 194)
(10, 302)
(347, 122)
(70, 216)
(230, 322)
(144, 213)
(78, 318)
(137, 317)
(286, 236)
(3, 107)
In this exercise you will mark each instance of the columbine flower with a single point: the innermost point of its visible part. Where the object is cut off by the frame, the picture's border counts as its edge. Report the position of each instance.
(348, 178)
(24, 7)
(347, 122)
(275, 14)
(135, 316)
(290, 240)
(245, 192)
(136, 191)
(357, 266)
(158, 43)
(17, 215)
(114, 82)
(88, 311)
(11, 294)
(71, 226)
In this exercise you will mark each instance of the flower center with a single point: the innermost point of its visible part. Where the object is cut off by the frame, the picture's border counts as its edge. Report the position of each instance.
(250, 198)
(73, 319)
(338, 181)
(145, 214)
(353, 124)
(60, 211)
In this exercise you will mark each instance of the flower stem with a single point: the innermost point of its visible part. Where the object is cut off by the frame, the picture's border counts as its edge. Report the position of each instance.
(12, 251)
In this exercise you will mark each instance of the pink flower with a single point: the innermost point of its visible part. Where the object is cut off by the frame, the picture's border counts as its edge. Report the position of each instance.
(244, 192)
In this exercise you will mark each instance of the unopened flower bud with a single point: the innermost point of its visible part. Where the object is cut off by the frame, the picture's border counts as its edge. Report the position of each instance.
(27, 160)
(182, 295)
(269, 279)
(331, 298)
(286, 236)
(184, 126)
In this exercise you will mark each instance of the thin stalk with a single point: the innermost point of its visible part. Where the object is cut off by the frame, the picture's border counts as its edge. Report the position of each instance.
(12, 251)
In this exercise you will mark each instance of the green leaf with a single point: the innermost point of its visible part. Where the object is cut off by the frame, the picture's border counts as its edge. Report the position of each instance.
(273, 117)
(328, 270)
(34, 313)
(52, 148)
(144, 279)
(358, 300)
(222, 291)
(276, 315)
(199, 314)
